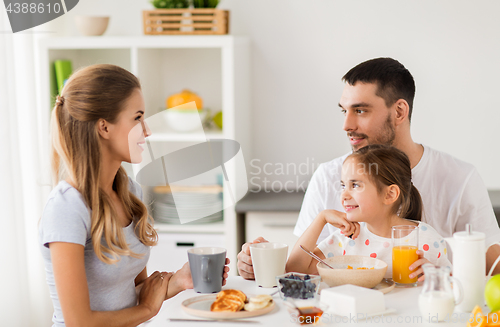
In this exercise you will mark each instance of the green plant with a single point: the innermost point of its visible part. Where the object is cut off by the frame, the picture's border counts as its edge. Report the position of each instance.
(205, 3)
(170, 4)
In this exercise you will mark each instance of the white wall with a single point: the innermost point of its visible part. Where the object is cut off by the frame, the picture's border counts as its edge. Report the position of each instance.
(301, 49)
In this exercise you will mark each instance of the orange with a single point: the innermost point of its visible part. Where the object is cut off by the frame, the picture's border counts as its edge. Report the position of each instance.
(493, 319)
(477, 319)
(184, 97)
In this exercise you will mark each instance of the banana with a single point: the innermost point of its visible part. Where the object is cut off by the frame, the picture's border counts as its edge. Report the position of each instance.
(258, 302)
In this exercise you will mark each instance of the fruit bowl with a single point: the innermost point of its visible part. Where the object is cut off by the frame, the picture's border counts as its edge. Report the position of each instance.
(298, 286)
(185, 120)
(92, 25)
(341, 275)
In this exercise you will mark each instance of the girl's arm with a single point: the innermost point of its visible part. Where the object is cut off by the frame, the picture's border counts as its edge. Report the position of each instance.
(71, 284)
(299, 261)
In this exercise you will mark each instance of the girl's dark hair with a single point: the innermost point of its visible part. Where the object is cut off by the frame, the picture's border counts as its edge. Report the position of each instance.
(390, 166)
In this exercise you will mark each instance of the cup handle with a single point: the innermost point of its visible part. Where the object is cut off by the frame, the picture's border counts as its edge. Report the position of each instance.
(457, 283)
(204, 269)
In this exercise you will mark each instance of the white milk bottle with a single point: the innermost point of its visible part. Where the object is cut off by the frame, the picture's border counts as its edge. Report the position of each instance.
(437, 302)
(469, 266)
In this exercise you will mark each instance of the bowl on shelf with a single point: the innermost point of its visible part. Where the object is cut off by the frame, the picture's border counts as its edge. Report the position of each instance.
(185, 120)
(352, 269)
(92, 25)
(298, 286)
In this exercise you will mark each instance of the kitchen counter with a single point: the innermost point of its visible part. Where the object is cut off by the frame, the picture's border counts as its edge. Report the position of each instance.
(495, 201)
(281, 201)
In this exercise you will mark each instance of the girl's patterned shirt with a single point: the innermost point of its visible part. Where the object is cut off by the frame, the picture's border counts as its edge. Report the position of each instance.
(369, 244)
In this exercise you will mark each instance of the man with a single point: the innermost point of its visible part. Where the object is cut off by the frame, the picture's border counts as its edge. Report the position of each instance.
(377, 102)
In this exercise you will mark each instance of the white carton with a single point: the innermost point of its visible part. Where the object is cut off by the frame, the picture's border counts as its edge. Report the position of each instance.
(352, 300)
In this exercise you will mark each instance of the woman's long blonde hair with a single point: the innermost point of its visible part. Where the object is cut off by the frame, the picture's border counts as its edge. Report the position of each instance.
(93, 93)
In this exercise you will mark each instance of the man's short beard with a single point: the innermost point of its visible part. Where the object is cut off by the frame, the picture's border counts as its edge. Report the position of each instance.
(386, 137)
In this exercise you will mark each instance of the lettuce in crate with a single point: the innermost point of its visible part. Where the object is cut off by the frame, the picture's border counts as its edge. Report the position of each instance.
(205, 3)
(170, 4)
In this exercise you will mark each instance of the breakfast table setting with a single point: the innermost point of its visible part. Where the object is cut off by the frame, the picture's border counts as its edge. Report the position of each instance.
(348, 290)
(404, 302)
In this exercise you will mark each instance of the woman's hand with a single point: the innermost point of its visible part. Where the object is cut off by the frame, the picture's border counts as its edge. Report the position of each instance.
(224, 272)
(418, 264)
(153, 291)
(339, 219)
(182, 280)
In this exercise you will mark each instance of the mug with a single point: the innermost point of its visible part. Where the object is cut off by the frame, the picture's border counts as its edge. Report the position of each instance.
(207, 267)
(269, 260)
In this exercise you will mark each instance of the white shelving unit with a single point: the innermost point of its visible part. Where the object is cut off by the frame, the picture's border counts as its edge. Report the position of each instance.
(215, 67)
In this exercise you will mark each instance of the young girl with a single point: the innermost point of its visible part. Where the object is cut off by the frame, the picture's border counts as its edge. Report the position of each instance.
(377, 195)
(95, 232)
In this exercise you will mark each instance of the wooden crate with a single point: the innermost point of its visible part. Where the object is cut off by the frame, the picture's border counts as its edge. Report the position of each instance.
(186, 21)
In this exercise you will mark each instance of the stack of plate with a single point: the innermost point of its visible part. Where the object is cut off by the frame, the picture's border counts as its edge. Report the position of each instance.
(195, 207)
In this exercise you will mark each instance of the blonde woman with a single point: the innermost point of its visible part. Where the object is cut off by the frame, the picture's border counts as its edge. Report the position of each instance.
(95, 232)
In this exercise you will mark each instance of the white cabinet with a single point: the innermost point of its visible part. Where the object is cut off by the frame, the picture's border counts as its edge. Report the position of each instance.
(273, 226)
(216, 67)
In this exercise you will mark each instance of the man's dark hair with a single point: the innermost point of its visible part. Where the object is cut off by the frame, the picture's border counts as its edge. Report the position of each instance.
(393, 80)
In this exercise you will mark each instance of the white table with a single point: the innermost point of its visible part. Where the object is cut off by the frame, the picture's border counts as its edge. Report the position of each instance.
(404, 300)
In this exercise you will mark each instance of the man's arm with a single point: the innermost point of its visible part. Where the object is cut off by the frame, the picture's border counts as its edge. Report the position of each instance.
(476, 209)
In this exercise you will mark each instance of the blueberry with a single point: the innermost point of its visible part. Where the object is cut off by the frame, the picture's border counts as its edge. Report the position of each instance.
(306, 277)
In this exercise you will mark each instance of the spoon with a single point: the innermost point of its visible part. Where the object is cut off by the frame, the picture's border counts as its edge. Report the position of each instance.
(315, 256)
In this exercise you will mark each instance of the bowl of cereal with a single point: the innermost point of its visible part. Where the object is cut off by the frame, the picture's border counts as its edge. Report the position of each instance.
(352, 269)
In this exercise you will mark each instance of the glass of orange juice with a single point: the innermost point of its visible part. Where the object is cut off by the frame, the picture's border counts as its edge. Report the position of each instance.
(404, 253)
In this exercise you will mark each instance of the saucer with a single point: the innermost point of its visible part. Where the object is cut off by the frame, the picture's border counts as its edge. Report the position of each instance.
(385, 286)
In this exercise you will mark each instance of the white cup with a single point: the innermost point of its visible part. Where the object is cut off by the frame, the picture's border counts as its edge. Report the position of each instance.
(269, 260)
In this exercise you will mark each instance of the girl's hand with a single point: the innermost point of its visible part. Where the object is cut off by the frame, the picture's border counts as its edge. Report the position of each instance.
(418, 264)
(339, 219)
(153, 291)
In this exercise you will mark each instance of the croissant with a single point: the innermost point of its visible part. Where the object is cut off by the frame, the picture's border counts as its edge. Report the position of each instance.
(229, 300)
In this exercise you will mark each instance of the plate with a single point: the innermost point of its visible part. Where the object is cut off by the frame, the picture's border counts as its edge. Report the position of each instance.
(385, 286)
(200, 306)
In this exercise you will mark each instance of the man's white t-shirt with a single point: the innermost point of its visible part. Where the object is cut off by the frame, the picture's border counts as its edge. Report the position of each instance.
(452, 192)
(370, 245)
